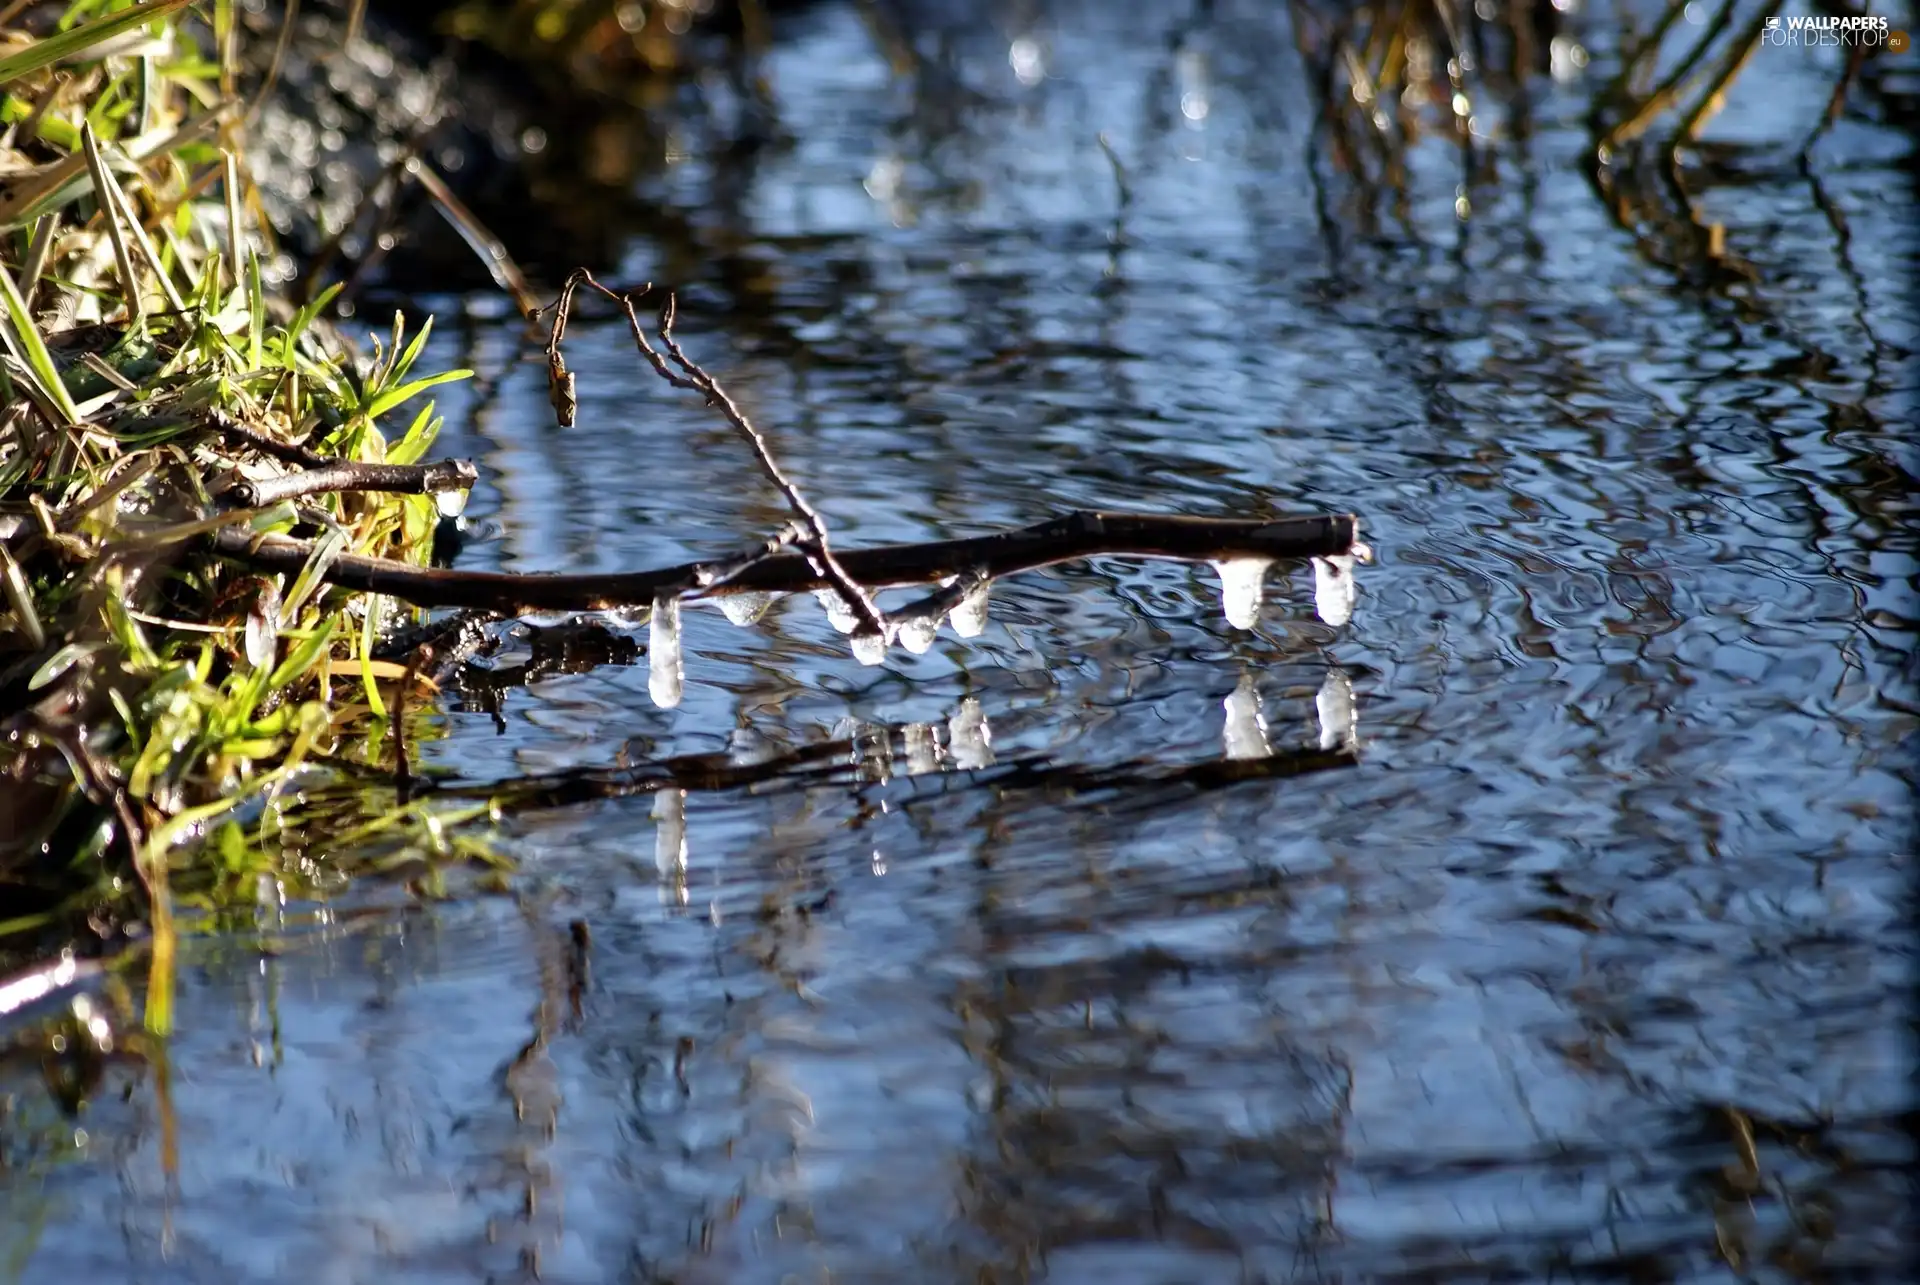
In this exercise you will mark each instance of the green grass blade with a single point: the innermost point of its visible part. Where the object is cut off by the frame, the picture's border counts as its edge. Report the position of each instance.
(24, 336)
(104, 192)
(394, 396)
(256, 314)
(404, 362)
(374, 703)
(303, 657)
(45, 53)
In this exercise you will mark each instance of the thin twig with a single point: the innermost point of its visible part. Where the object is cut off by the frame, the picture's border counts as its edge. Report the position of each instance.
(1077, 535)
(710, 575)
(816, 549)
(1636, 122)
(491, 250)
(690, 376)
(1715, 97)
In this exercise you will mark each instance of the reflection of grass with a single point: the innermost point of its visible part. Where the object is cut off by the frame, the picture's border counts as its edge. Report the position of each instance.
(605, 48)
(165, 712)
(1393, 72)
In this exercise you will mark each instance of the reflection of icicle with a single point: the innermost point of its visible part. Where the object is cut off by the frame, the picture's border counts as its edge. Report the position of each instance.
(923, 751)
(970, 616)
(625, 617)
(665, 668)
(879, 863)
(1245, 733)
(748, 746)
(1334, 588)
(873, 752)
(917, 635)
(1339, 721)
(870, 648)
(670, 845)
(840, 613)
(745, 608)
(1241, 582)
(969, 737)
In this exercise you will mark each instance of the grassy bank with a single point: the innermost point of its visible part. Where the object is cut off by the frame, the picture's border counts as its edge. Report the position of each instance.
(168, 724)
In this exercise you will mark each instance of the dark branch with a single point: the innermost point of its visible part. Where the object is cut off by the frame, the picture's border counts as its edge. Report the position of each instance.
(1083, 534)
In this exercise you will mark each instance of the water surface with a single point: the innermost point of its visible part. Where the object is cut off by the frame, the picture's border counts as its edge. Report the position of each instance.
(1545, 919)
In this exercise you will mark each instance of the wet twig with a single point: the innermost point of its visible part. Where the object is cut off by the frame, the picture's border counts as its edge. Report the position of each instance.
(490, 250)
(1083, 534)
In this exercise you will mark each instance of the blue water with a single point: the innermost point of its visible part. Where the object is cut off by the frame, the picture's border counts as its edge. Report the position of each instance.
(1589, 961)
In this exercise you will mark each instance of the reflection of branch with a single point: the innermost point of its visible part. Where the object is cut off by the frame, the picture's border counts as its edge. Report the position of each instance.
(1836, 101)
(1716, 95)
(1207, 774)
(1642, 114)
(828, 762)
(1083, 534)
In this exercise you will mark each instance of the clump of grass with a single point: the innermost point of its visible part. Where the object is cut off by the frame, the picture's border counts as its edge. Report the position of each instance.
(163, 717)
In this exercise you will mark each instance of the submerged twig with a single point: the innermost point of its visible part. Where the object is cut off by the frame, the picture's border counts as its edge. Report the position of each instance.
(1083, 534)
(402, 772)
